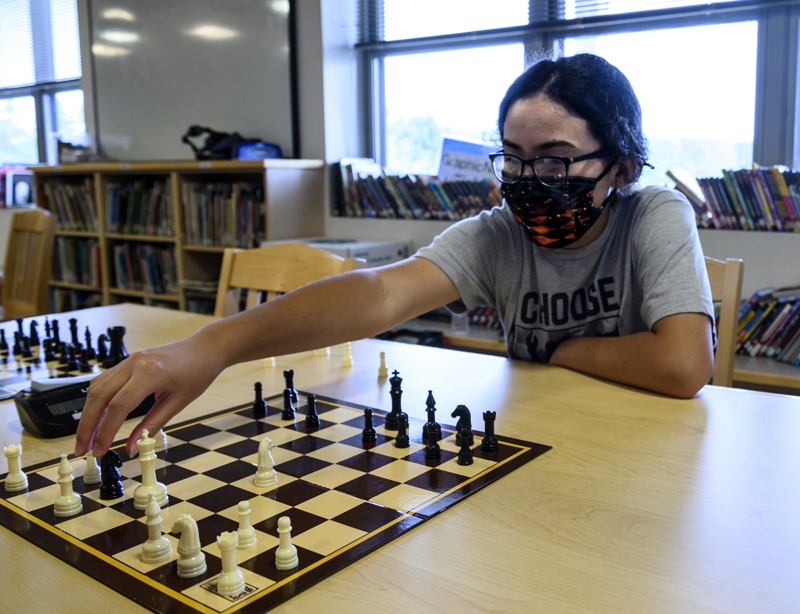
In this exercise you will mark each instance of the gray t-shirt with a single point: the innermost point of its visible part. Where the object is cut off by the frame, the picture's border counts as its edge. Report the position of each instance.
(647, 264)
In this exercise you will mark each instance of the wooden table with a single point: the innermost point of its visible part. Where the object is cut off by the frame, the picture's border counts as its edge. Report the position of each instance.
(644, 504)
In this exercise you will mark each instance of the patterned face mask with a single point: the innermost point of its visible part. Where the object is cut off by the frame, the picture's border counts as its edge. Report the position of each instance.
(555, 217)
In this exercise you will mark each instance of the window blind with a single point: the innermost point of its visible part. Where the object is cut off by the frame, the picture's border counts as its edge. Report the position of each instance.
(395, 21)
(39, 42)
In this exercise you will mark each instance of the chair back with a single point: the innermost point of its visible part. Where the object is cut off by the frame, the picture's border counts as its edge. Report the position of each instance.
(28, 263)
(269, 271)
(726, 287)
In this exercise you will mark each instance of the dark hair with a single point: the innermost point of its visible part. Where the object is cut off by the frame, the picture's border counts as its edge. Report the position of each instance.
(593, 89)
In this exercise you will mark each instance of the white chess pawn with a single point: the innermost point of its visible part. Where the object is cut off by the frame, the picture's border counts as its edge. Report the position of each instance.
(266, 476)
(157, 548)
(191, 559)
(91, 474)
(286, 554)
(16, 478)
(347, 361)
(382, 372)
(230, 582)
(68, 504)
(147, 460)
(246, 532)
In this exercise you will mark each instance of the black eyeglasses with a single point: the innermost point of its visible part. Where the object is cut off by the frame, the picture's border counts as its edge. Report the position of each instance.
(550, 170)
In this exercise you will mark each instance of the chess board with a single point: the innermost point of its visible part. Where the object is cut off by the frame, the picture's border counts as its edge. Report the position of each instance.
(344, 497)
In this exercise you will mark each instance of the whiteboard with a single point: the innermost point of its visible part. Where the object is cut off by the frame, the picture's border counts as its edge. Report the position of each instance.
(163, 65)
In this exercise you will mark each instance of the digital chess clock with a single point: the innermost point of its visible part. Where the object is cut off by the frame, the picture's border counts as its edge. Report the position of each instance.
(52, 407)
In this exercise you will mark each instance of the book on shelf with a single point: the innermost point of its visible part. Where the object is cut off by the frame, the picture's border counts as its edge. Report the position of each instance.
(769, 325)
(139, 208)
(62, 299)
(72, 203)
(364, 189)
(760, 198)
(223, 214)
(145, 268)
(77, 261)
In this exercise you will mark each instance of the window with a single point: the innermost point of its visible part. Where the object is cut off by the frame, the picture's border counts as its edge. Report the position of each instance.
(714, 95)
(40, 96)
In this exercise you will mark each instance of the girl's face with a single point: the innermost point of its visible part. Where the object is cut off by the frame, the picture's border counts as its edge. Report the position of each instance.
(539, 126)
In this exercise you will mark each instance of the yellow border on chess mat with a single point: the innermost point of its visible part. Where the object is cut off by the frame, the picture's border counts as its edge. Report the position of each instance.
(200, 607)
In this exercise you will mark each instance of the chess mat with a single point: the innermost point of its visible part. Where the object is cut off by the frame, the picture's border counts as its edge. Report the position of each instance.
(344, 497)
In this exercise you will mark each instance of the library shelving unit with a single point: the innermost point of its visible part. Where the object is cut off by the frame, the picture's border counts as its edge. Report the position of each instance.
(155, 232)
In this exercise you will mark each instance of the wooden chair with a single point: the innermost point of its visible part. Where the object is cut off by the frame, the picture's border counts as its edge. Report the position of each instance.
(273, 270)
(726, 287)
(28, 262)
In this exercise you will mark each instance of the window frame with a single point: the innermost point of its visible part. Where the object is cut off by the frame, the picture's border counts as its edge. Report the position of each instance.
(776, 138)
(46, 86)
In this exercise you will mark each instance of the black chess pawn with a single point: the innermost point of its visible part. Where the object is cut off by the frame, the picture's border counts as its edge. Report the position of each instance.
(72, 359)
(312, 418)
(26, 348)
(49, 355)
(401, 440)
(110, 484)
(489, 443)
(464, 422)
(288, 408)
(465, 453)
(117, 352)
(259, 406)
(102, 350)
(431, 424)
(391, 422)
(34, 333)
(368, 434)
(83, 363)
(288, 376)
(90, 353)
(432, 449)
(63, 356)
(3, 342)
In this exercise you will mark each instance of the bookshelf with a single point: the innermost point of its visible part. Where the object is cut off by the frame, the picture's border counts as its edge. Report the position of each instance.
(155, 233)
